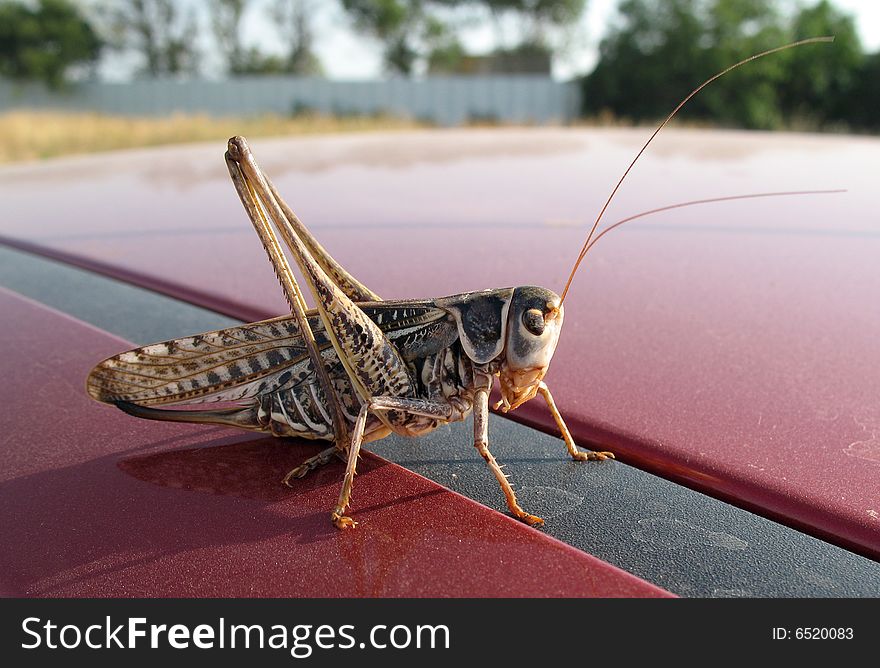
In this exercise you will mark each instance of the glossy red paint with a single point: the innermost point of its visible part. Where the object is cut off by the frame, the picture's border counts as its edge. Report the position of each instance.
(94, 503)
(731, 347)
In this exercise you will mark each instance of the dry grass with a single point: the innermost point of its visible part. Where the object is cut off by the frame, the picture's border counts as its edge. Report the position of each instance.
(33, 135)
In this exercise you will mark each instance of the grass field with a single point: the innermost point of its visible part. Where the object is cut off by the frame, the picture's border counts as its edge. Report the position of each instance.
(31, 135)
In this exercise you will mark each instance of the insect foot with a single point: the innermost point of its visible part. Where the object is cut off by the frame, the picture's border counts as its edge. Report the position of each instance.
(593, 456)
(311, 464)
(295, 474)
(531, 520)
(341, 521)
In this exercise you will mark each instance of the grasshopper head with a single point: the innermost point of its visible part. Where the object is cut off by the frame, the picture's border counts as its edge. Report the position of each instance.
(514, 329)
(533, 324)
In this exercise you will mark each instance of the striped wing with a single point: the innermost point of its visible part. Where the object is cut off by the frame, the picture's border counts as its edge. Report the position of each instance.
(242, 362)
(224, 365)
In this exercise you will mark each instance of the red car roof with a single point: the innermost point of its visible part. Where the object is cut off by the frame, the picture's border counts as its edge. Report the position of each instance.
(730, 346)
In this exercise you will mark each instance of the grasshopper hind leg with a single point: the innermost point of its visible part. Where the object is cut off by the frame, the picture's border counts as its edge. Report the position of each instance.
(242, 417)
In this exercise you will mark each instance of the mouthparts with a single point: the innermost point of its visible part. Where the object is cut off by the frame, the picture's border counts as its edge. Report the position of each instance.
(518, 386)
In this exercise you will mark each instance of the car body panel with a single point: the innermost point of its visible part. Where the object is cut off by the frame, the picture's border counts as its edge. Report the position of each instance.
(731, 347)
(678, 538)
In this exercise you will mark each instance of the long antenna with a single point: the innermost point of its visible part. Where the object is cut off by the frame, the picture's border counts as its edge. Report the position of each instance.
(811, 40)
(710, 200)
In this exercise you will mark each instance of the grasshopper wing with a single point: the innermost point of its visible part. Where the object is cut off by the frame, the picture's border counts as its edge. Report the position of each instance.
(249, 360)
(224, 365)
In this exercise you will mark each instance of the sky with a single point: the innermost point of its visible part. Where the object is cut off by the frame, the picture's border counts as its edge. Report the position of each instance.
(346, 54)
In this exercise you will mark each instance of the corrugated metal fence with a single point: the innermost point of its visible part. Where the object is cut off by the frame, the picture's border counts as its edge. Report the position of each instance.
(442, 100)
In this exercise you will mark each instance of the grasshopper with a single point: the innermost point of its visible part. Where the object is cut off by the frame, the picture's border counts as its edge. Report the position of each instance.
(357, 367)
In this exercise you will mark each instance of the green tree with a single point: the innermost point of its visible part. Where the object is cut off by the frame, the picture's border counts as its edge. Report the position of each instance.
(446, 56)
(864, 99)
(415, 29)
(661, 49)
(160, 31)
(820, 86)
(394, 23)
(43, 41)
(749, 96)
(226, 18)
(292, 19)
(539, 17)
(644, 57)
(252, 60)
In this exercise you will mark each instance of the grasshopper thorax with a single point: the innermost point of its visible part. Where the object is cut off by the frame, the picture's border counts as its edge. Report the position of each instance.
(533, 325)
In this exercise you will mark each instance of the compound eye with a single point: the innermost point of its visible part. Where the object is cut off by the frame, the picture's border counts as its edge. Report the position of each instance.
(533, 319)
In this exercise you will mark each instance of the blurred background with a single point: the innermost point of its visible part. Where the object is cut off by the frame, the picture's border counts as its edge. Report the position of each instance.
(89, 75)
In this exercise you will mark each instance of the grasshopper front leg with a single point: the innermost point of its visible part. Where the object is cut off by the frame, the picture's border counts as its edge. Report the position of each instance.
(481, 443)
(579, 455)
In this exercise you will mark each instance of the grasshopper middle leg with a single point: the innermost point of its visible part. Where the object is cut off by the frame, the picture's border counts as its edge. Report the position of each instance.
(420, 407)
(481, 442)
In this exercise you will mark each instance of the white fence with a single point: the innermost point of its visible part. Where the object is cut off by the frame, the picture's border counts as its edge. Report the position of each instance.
(442, 100)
